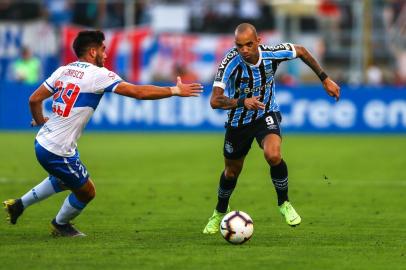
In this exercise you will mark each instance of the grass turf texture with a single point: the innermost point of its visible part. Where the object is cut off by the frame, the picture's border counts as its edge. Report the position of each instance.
(156, 191)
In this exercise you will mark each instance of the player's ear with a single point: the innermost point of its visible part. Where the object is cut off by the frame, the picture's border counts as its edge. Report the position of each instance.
(92, 52)
(259, 40)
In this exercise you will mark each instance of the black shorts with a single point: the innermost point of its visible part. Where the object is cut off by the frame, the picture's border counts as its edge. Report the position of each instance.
(238, 140)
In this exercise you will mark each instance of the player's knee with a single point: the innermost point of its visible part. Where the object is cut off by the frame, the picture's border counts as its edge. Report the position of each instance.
(91, 194)
(88, 196)
(273, 158)
(86, 193)
(232, 173)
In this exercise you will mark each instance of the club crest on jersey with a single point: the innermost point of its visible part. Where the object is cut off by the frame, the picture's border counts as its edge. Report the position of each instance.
(228, 147)
(112, 75)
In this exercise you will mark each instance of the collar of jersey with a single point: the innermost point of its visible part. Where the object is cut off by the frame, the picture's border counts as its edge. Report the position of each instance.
(259, 59)
(77, 61)
(82, 62)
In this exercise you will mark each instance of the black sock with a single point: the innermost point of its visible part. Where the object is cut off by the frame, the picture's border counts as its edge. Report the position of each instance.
(279, 175)
(226, 187)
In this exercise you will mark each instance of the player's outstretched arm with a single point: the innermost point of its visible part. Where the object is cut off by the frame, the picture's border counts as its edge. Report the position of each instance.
(219, 101)
(157, 92)
(329, 85)
(35, 102)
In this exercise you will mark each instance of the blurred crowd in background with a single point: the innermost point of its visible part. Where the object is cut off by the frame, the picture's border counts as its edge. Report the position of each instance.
(359, 42)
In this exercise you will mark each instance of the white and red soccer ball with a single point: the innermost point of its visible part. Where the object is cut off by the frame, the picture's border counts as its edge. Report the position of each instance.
(237, 227)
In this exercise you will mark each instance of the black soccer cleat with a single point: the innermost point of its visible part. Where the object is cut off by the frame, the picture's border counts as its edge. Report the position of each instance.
(14, 209)
(66, 230)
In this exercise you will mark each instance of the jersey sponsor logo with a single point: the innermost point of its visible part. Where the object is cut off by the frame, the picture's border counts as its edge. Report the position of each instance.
(64, 98)
(80, 65)
(227, 59)
(248, 90)
(279, 47)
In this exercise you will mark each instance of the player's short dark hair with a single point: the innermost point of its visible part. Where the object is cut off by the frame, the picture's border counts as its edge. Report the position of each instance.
(242, 27)
(86, 39)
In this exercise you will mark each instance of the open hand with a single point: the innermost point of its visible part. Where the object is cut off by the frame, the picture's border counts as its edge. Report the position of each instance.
(186, 90)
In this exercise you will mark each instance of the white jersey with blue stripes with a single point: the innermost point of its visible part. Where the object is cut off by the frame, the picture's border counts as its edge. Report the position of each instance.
(240, 79)
(77, 89)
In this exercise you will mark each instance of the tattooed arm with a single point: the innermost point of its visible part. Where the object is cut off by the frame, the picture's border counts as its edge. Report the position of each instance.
(219, 101)
(308, 59)
(329, 85)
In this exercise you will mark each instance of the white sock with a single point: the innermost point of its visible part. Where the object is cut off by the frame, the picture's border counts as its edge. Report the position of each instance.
(40, 192)
(70, 209)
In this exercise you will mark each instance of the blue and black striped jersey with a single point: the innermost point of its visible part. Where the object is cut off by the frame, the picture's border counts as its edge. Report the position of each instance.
(240, 79)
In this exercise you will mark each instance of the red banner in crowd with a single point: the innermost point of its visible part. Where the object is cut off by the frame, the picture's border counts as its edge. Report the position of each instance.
(114, 41)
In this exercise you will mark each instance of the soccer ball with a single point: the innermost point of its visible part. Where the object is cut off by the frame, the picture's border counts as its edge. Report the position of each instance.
(237, 227)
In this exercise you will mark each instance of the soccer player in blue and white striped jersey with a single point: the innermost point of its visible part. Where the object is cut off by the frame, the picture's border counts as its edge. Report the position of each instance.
(244, 85)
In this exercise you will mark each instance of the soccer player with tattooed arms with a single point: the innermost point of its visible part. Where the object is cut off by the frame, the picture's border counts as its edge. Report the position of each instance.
(244, 85)
(76, 90)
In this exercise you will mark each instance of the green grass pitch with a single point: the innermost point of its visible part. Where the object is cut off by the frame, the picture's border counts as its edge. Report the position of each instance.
(156, 191)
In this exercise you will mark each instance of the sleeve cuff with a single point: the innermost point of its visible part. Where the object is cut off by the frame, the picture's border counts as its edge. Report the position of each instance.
(293, 50)
(112, 86)
(219, 84)
(49, 87)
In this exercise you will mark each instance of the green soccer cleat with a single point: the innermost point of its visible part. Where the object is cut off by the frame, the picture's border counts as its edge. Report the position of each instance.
(213, 225)
(14, 209)
(291, 217)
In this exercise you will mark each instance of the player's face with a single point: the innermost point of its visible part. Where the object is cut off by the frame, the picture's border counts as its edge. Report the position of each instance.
(101, 55)
(247, 45)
